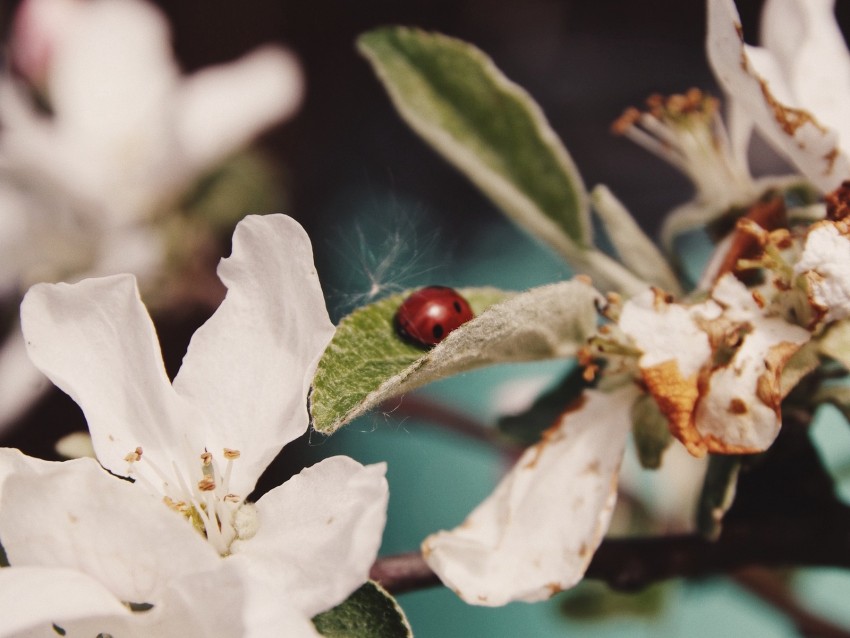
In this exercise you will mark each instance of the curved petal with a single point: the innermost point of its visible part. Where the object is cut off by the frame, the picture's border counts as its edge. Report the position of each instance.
(224, 602)
(96, 342)
(220, 109)
(319, 534)
(32, 599)
(535, 535)
(73, 514)
(249, 367)
(825, 265)
(804, 37)
(739, 407)
(745, 74)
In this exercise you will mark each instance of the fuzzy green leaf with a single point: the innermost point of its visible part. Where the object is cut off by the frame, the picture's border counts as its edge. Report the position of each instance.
(367, 363)
(718, 493)
(636, 250)
(370, 612)
(651, 432)
(453, 95)
(836, 343)
(455, 98)
(801, 364)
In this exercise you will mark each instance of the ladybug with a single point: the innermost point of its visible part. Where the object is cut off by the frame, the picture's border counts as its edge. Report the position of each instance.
(429, 314)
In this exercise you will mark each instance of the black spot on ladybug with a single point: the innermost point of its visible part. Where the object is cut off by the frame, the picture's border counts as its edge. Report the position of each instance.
(428, 315)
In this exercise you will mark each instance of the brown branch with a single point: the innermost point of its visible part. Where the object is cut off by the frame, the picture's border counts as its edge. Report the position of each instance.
(633, 563)
(403, 573)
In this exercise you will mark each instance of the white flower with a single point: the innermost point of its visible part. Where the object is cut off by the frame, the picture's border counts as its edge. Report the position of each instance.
(796, 89)
(714, 370)
(714, 367)
(92, 553)
(688, 132)
(536, 533)
(125, 130)
(825, 266)
(125, 134)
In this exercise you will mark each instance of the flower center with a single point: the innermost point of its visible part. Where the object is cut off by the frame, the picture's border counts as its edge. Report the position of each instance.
(199, 492)
(687, 132)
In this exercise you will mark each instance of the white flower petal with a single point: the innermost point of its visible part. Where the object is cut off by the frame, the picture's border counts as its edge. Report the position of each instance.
(250, 366)
(32, 599)
(319, 534)
(220, 109)
(535, 535)
(221, 603)
(808, 144)
(738, 410)
(825, 263)
(667, 331)
(804, 37)
(73, 514)
(96, 342)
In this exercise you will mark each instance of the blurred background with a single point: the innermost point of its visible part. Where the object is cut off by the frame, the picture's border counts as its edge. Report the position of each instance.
(385, 213)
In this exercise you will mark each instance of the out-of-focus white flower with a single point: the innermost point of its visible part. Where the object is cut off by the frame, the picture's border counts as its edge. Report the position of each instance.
(99, 134)
(179, 551)
(795, 89)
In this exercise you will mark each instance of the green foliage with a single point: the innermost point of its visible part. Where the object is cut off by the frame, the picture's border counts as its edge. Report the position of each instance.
(489, 128)
(367, 363)
(592, 601)
(244, 184)
(651, 432)
(370, 612)
(718, 493)
(635, 249)
(454, 96)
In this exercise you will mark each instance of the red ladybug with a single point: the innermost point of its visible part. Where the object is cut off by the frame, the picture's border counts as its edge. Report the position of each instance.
(431, 313)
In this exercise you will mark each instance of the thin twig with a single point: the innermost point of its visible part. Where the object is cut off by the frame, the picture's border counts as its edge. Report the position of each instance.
(403, 572)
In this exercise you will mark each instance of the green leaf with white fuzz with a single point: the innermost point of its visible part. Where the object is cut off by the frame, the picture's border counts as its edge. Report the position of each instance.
(651, 432)
(370, 612)
(367, 363)
(835, 344)
(800, 365)
(453, 95)
(636, 250)
(718, 493)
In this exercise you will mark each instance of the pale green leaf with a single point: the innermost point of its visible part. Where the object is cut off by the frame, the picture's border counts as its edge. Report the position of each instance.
(836, 343)
(636, 250)
(370, 612)
(489, 128)
(453, 95)
(718, 493)
(367, 363)
(651, 432)
(804, 361)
